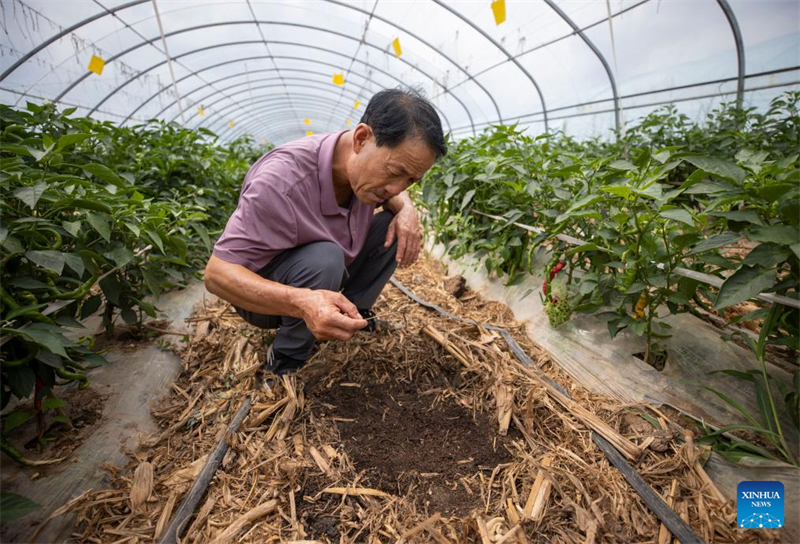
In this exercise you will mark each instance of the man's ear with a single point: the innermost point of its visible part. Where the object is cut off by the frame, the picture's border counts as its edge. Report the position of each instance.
(361, 135)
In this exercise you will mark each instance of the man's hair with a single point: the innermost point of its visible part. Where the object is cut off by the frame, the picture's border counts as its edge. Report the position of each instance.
(397, 114)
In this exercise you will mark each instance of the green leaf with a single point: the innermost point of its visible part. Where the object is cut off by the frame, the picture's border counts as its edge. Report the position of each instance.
(45, 338)
(766, 255)
(104, 173)
(20, 380)
(52, 404)
(763, 403)
(152, 281)
(15, 419)
(716, 241)
(99, 222)
(748, 216)
(24, 310)
(621, 164)
(581, 249)
(13, 506)
(70, 140)
(30, 195)
(49, 358)
(735, 405)
(120, 255)
(466, 200)
(678, 215)
(111, 288)
(777, 234)
(722, 168)
(620, 190)
(49, 259)
(744, 284)
(82, 204)
(24, 282)
(72, 227)
(156, 240)
(75, 262)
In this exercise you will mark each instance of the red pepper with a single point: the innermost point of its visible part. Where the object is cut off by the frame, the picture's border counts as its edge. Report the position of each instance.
(555, 270)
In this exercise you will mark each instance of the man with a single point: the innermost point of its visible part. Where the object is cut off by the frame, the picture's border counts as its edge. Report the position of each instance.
(304, 251)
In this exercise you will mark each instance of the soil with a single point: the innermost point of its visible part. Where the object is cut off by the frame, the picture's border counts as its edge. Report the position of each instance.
(84, 408)
(657, 360)
(405, 443)
(127, 338)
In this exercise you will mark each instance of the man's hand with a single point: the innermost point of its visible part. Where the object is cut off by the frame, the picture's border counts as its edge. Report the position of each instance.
(405, 227)
(330, 315)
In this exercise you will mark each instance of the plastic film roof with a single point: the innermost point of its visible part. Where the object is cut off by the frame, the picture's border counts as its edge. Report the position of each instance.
(269, 68)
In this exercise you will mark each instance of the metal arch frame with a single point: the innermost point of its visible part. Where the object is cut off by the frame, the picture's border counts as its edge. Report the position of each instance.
(429, 45)
(121, 86)
(269, 112)
(250, 88)
(737, 37)
(249, 42)
(266, 107)
(271, 122)
(209, 121)
(260, 57)
(247, 125)
(231, 95)
(724, 5)
(597, 53)
(211, 83)
(266, 104)
(65, 32)
(505, 52)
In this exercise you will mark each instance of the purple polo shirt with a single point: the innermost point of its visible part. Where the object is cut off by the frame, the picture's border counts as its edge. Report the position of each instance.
(287, 200)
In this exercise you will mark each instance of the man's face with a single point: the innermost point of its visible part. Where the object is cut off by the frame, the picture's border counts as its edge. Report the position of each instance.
(380, 173)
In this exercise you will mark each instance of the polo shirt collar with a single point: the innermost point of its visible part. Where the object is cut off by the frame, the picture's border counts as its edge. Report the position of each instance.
(328, 204)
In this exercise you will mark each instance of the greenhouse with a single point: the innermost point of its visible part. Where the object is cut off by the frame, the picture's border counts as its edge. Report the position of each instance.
(345, 271)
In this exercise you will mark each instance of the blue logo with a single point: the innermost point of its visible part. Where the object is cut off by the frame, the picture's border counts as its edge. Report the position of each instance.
(759, 505)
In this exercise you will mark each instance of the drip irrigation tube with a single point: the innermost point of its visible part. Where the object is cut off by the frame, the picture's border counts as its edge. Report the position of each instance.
(679, 528)
(178, 524)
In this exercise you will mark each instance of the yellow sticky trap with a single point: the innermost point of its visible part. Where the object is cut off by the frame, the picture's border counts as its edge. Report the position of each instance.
(307, 121)
(230, 124)
(499, 10)
(338, 79)
(309, 133)
(357, 104)
(201, 111)
(348, 122)
(396, 44)
(96, 65)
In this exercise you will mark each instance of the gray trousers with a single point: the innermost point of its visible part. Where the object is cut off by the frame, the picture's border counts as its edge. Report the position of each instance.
(320, 265)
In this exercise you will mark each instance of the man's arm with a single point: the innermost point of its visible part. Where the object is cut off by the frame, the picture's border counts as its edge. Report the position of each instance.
(405, 227)
(328, 315)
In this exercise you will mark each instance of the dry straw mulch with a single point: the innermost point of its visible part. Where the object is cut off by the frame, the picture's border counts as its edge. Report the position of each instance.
(295, 472)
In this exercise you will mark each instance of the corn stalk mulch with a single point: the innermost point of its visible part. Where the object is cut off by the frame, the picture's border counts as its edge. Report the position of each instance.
(292, 473)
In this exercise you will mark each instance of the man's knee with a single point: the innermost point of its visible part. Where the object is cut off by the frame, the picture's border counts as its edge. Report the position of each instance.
(322, 266)
(380, 222)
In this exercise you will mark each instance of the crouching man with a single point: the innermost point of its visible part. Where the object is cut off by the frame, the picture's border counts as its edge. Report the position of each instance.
(304, 251)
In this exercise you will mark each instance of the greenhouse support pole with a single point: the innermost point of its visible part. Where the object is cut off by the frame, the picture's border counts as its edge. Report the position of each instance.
(616, 66)
(108, 11)
(737, 37)
(169, 60)
(597, 53)
(508, 55)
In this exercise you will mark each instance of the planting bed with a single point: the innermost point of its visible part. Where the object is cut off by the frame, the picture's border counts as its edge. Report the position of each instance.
(406, 443)
(431, 431)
